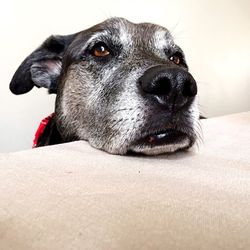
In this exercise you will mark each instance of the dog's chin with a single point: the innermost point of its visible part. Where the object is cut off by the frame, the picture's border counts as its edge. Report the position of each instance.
(168, 141)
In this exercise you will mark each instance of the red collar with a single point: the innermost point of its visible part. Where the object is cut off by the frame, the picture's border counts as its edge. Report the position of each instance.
(41, 128)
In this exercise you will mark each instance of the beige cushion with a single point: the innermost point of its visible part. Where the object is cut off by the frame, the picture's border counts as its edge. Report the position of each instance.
(72, 196)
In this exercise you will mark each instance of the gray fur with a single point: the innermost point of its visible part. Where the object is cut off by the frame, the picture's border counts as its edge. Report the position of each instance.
(102, 103)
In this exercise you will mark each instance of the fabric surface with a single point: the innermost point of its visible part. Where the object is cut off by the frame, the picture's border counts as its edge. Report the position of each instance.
(72, 196)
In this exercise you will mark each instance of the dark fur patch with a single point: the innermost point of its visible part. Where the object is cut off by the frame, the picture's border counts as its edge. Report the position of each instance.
(52, 49)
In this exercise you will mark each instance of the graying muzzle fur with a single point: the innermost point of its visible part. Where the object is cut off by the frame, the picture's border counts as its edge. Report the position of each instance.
(123, 87)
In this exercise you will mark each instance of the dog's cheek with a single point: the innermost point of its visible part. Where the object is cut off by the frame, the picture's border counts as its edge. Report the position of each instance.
(85, 105)
(194, 111)
(126, 121)
(194, 119)
(72, 104)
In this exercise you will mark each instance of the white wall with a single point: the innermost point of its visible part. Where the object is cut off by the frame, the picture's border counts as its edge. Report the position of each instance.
(215, 36)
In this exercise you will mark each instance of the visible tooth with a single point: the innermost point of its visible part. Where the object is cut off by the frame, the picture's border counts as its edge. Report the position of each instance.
(153, 138)
(159, 136)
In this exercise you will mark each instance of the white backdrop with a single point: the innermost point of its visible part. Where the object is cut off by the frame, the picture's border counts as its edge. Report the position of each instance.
(215, 36)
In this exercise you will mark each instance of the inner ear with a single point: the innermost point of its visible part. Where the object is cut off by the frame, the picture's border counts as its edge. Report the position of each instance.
(45, 73)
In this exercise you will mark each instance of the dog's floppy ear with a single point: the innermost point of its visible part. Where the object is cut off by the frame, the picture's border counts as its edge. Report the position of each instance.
(43, 67)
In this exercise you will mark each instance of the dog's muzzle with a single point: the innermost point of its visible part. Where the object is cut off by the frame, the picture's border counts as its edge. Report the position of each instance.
(174, 89)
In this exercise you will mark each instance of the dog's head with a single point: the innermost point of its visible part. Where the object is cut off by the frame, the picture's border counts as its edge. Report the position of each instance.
(121, 86)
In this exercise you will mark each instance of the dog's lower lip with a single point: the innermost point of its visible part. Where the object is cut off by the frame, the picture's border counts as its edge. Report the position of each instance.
(169, 136)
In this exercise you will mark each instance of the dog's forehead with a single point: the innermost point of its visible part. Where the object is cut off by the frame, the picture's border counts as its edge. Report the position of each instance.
(128, 32)
(137, 31)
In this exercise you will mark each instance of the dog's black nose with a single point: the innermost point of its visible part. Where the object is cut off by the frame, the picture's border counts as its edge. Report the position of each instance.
(173, 86)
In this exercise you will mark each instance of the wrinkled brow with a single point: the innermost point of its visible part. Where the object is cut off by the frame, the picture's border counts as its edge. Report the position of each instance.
(96, 37)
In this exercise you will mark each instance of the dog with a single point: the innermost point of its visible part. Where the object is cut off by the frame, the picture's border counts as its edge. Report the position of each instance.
(123, 87)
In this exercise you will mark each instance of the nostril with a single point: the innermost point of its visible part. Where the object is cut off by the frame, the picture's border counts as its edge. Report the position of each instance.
(157, 86)
(189, 88)
(163, 86)
(157, 81)
(160, 86)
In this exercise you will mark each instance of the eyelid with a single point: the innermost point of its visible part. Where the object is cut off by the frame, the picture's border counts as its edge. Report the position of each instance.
(95, 38)
(93, 43)
(179, 54)
(98, 43)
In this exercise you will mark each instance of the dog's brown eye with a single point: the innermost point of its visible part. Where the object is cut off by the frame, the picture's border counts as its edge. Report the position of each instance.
(176, 59)
(100, 50)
